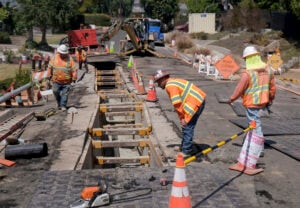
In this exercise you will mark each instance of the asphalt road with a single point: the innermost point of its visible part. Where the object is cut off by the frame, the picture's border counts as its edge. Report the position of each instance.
(52, 182)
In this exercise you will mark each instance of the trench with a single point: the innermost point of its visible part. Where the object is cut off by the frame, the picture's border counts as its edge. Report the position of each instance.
(119, 135)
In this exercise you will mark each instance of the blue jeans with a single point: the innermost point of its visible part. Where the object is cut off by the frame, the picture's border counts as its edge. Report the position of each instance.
(253, 114)
(61, 93)
(188, 131)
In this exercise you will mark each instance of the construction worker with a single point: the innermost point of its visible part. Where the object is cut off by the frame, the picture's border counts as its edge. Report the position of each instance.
(188, 101)
(81, 58)
(256, 87)
(62, 73)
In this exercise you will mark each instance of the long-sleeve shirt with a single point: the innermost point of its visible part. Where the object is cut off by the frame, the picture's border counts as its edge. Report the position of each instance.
(256, 87)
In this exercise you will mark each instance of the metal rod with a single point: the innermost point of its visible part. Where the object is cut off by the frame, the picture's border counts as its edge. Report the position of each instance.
(17, 91)
(219, 144)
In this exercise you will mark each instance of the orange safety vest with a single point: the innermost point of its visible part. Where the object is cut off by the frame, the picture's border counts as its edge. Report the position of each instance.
(80, 55)
(63, 71)
(258, 90)
(185, 97)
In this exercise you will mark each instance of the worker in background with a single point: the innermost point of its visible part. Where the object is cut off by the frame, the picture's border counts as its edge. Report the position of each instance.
(188, 101)
(256, 87)
(62, 74)
(81, 58)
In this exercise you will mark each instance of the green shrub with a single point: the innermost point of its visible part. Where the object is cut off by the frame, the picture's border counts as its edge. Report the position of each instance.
(97, 19)
(4, 38)
(4, 84)
(23, 77)
(31, 44)
(11, 55)
(200, 35)
(259, 39)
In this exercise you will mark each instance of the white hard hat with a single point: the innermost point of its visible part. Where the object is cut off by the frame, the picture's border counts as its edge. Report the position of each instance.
(160, 74)
(249, 51)
(62, 49)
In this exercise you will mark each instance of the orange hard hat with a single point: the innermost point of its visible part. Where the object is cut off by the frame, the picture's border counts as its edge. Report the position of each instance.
(160, 74)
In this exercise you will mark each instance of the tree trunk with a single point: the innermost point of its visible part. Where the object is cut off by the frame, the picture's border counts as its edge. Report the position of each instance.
(43, 40)
(29, 34)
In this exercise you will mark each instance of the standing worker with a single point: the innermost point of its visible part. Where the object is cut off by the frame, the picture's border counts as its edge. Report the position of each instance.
(62, 74)
(256, 87)
(81, 58)
(188, 101)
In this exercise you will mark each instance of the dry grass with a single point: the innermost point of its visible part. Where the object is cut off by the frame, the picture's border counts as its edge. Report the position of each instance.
(51, 39)
(8, 71)
(182, 40)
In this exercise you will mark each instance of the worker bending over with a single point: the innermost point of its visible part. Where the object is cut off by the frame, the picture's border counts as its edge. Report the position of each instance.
(188, 101)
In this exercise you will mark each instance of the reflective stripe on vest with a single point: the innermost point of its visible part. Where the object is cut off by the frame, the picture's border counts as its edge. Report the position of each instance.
(188, 95)
(255, 90)
(61, 69)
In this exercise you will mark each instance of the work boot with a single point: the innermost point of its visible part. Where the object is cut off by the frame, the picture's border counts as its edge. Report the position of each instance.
(63, 109)
(177, 148)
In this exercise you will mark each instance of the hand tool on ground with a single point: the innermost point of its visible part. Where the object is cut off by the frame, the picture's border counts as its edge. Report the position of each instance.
(221, 143)
(97, 196)
(72, 111)
(43, 115)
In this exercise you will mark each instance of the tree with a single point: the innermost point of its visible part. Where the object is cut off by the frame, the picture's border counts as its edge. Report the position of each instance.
(164, 10)
(45, 14)
(295, 6)
(200, 6)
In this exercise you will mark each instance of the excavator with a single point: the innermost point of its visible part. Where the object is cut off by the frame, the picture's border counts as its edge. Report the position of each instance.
(139, 39)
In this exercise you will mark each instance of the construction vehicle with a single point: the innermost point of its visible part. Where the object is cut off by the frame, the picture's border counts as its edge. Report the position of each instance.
(82, 37)
(139, 38)
(155, 30)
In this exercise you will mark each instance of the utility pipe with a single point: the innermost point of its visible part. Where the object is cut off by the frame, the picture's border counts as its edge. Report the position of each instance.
(17, 91)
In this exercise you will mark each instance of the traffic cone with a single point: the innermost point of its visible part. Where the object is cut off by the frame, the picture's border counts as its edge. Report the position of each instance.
(111, 47)
(180, 197)
(141, 88)
(106, 49)
(249, 155)
(175, 53)
(151, 96)
(130, 61)
(134, 78)
(134, 64)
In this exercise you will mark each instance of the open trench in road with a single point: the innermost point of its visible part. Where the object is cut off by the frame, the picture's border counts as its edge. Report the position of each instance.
(119, 135)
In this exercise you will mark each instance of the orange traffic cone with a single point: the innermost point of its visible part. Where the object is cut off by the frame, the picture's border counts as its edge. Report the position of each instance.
(151, 96)
(249, 155)
(106, 49)
(180, 197)
(141, 88)
(175, 53)
(134, 77)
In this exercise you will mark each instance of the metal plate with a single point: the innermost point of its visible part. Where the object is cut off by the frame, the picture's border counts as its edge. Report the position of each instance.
(222, 98)
(288, 146)
(240, 110)
(273, 127)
